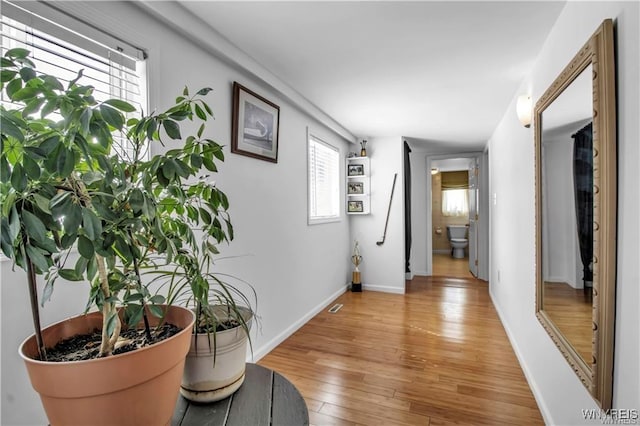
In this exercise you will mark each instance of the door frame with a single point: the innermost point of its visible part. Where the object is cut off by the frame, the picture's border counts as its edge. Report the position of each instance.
(483, 210)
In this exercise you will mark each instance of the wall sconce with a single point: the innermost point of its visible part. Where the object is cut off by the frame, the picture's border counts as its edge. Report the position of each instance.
(434, 171)
(523, 108)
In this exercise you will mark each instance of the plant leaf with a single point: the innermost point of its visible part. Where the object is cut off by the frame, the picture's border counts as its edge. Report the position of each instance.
(72, 218)
(155, 310)
(121, 105)
(91, 224)
(7, 75)
(33, 225)
(10, 129)
(19, 178)
(172, 129)
(31, 167)
(85, 247)
(27, 74)
(111, 323)
(37, 258)
(69, 275)
(204, 91)
(85, 119)
(112, 116)
(17, 52)
(200, 113)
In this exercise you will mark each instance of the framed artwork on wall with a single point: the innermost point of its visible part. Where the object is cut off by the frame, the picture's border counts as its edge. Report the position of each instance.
(355, 207)
(355, 170)
(255, 125)
(355, 188)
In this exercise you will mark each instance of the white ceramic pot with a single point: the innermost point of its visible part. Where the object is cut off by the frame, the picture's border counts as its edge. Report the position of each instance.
(214, 371)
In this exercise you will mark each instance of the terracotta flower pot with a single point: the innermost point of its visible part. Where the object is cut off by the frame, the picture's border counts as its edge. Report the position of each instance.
(135, 388)
(205, 380)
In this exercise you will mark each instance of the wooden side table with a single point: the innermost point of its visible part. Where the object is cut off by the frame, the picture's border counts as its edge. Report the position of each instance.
(265, 398)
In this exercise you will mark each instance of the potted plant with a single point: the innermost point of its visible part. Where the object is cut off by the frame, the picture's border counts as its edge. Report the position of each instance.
(61, 187)
(215, 365)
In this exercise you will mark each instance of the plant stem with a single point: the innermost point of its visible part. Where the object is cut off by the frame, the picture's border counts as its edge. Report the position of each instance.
(136, 269)
(35, 309)
(108, 309)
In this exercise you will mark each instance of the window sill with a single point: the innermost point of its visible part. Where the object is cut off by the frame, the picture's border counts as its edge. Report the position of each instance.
(320, 221)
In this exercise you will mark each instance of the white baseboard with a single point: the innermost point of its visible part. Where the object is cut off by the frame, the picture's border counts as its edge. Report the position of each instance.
(270, 345)
(420, 273)
(544, 410)
(383, 289)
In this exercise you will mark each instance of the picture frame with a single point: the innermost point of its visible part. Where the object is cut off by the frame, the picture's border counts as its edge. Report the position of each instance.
(255, 125)
(355, 188)
(355, 207)
(355, 170)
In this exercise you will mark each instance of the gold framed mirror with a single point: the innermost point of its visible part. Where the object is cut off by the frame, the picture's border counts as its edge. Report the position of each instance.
(575, 145)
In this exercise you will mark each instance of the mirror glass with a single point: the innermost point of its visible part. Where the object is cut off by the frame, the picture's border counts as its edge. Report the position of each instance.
(567, 213)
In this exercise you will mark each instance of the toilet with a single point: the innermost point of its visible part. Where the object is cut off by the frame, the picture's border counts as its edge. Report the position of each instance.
(457, 235)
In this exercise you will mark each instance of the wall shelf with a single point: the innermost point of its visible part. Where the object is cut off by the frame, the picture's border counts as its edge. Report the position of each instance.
(358, 186)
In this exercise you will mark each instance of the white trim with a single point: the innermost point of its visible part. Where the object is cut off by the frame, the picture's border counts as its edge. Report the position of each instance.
(544, 410)
(273, 343)
(383, 288)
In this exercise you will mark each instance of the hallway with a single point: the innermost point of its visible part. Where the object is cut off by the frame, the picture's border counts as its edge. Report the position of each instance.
(437, 355)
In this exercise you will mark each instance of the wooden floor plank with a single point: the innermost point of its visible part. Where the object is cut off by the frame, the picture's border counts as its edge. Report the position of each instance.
(437, 355)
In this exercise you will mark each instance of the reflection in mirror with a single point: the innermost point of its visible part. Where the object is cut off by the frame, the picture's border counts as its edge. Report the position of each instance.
(575, 135)
(567, 212)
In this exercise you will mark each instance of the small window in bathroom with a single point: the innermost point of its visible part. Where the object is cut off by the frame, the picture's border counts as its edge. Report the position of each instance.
(455, 194)
(455, 202)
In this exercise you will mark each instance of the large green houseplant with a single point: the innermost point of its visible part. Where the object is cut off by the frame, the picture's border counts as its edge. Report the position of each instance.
(74, 173)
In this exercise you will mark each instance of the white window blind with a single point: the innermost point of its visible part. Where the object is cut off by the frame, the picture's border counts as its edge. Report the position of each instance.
(115, 69)
(324, 182)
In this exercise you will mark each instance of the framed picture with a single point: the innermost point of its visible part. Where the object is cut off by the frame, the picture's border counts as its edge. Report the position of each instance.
(255, 125)
(355, 170)
(355, 207)
(355, 188)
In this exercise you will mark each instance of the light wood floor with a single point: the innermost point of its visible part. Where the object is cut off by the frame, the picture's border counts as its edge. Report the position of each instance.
(437, 355)
(571, 310)
(446, 266)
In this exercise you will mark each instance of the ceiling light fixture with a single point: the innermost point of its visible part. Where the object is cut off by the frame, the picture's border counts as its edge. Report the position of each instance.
(434, 171)
(523, 108)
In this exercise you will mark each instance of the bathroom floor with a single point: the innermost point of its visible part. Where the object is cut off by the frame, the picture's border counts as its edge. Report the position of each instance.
(446, 266)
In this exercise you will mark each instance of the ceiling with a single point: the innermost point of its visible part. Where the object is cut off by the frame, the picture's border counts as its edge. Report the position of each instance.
(438, 71)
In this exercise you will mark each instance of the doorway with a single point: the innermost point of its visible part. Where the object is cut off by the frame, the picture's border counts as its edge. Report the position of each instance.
(456, 188)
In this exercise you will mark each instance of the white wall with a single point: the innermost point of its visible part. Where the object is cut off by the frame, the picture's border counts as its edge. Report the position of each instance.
(295, 268)
(559, 393)
(383, 266)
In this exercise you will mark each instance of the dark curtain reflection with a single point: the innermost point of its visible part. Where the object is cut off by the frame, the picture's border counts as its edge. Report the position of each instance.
(583, 190)
(407, 206)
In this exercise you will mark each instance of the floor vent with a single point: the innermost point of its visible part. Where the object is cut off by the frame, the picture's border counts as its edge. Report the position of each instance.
(335, 308)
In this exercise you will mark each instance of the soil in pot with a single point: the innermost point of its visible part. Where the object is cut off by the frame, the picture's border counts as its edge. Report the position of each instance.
(86, 346)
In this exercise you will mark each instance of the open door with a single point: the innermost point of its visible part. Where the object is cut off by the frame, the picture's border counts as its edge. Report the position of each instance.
(473, 217)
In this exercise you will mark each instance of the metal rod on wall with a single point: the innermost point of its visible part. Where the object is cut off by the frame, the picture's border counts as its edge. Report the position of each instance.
(386, 223)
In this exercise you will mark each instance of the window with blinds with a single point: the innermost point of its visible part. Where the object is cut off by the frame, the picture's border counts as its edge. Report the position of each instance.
(324, 182)
(114, 68)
